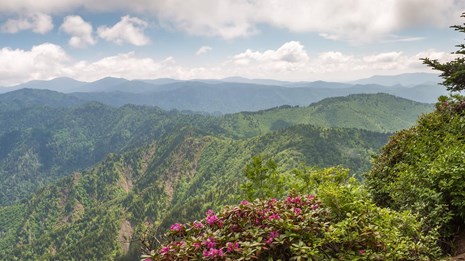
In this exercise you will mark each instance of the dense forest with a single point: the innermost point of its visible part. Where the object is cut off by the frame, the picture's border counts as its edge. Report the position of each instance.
(342, 178)
(408, 206)
(93, 179)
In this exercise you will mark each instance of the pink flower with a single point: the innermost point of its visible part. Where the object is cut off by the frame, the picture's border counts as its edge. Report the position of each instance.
(197, 225)
(196, 245)
(297, 211)
(314, 207)
(289, 199)
(274, 234)
(244, 202)
(361, 251)
(210, 242)
(165, 250)
(310, 197)
(232, 247)
(269, 241)
(274, 216)
(212, 219)
(212, 252)
(176, 227)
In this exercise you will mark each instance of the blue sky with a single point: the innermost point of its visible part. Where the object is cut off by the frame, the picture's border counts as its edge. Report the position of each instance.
(296, 40)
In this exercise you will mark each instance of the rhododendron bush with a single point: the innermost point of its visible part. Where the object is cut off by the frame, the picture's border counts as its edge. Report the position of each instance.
(300, 227)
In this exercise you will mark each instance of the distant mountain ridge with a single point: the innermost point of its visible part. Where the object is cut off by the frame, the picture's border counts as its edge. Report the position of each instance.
(235, 94)
(406, 79)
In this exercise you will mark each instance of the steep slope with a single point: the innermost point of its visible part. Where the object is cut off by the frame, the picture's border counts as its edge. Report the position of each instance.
(97, 213)
(376, 112)
(41, 144)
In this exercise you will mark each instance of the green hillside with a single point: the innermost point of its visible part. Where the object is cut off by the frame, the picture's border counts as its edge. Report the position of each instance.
(91, 214)
(82, 181)
(40, 144)
(375, 112)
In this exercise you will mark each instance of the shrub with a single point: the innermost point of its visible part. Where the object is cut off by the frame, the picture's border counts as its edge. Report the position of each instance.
(340, 225)
(422, 169)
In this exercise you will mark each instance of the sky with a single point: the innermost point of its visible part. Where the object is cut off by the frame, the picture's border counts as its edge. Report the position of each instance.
(294, 40)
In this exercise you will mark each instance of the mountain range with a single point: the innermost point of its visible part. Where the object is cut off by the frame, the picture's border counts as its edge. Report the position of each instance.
(234, 94)
(84, 174)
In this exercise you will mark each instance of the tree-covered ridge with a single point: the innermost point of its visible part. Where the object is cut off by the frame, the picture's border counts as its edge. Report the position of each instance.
(177, 177)
(39, 144)
(375, 112)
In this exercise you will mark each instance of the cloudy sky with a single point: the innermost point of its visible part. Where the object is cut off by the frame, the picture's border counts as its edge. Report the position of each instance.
(336, 40)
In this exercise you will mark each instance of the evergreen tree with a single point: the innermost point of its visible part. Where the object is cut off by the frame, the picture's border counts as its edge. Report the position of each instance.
(453, 72)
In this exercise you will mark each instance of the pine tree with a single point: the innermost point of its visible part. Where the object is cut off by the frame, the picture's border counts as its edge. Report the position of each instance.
(453, 72)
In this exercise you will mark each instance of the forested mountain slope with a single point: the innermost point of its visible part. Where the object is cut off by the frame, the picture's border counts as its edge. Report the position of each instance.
(92, 214)
(376, 112)
(39, 144)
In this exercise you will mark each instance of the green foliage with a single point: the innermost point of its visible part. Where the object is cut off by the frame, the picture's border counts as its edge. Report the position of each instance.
(263, 180)
(342, 224)
(452, 72)
(421, 169)
(39, 145)
(165, 167)
(375, 112)
(176, 178)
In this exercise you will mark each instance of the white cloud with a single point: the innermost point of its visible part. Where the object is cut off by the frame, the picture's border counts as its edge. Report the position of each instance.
(203, 49)
(43, 61)
(128, 30)
(355, 20)
(38, 22)
(79, 30)
(289, 56)
(288, 62)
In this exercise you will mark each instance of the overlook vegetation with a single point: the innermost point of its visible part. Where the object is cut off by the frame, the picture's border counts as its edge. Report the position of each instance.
(88, 181)
(416, 183)
(141, 169)
(92, 178)
(176, 178)
(413, 195)
(85, 176)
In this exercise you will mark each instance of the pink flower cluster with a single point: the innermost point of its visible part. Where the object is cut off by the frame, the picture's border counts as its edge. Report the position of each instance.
(197, 225)
(213, 253)
(272, 236)
(210, 242)
(232, 247)
(214, 237)
(213, 219)
(176, 227)
(273, 216)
